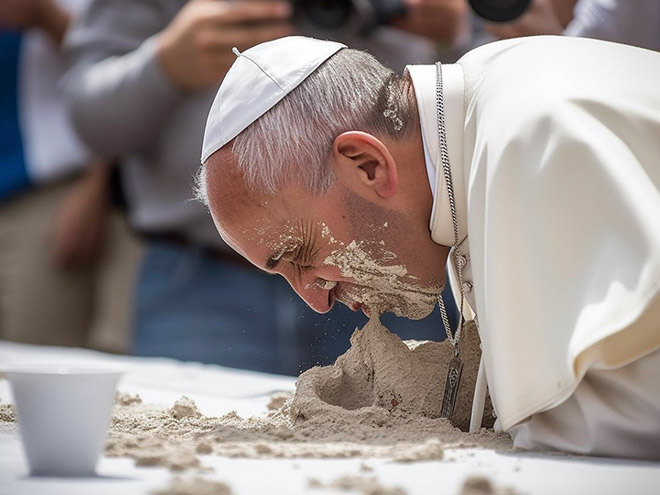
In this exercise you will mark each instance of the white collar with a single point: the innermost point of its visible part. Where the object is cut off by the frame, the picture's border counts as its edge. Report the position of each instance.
(430, 168)
(424, 83)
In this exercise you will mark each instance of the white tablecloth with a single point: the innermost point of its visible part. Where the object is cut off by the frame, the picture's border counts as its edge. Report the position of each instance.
(217, 390)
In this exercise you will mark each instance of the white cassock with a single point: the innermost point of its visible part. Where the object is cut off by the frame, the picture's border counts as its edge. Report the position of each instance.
(554, 146)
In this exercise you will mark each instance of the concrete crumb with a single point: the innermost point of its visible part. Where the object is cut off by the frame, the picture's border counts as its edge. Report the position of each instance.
(431, 449)
(277, 400)
(203, 448)
(364, 485)
(125, 399)
(7, 413)
(194, 486)
(185, 408)
(481, 485)
(313, 483)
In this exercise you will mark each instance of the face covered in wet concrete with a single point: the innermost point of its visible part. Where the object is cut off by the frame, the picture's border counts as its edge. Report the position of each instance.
(360, 245)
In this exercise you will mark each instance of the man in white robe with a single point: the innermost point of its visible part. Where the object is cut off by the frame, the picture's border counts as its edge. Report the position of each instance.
(553, 150)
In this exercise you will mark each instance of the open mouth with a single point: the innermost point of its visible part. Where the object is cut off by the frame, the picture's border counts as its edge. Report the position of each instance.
(350, 298)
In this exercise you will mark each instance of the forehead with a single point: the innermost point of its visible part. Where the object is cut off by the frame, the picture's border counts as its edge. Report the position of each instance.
(247, 218)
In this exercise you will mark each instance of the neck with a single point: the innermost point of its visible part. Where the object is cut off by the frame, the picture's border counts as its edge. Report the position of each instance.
(414, 179)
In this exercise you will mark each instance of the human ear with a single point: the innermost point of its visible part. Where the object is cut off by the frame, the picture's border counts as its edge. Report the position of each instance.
(364, 164)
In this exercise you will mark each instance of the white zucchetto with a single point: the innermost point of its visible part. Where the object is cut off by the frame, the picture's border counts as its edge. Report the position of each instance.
(259, 78)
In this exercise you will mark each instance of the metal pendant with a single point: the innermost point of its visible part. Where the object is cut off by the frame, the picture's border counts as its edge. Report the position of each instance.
(451, 386)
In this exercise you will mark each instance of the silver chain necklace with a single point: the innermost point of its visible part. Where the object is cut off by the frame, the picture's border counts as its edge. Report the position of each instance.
(456, 363)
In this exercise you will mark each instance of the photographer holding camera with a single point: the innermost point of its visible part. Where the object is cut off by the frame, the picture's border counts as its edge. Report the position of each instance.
(143, 74)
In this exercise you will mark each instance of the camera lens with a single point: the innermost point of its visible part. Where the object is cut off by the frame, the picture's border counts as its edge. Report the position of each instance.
(499, 10)
(326, 14)
(386, 10)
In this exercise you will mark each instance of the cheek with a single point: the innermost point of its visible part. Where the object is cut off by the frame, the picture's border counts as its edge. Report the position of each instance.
(332, 273)
(365, 262)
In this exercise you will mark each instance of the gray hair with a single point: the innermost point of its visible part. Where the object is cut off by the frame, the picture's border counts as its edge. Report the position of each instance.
(293, 140)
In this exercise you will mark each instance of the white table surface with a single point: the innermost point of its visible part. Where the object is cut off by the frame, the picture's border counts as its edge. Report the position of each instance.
(217, 390)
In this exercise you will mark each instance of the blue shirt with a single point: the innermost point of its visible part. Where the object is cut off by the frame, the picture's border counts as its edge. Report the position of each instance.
(13, 170)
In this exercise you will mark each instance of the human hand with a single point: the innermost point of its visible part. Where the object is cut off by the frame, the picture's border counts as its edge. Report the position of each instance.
(81, 221)
(438, 20)
(541, 18)
(195, 48)
(42, 14)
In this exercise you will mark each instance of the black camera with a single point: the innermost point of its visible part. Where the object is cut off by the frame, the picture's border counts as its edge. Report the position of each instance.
(345, 16)
(360, 16)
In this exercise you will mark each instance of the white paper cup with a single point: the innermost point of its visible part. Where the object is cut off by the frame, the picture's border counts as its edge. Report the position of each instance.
(63, 414)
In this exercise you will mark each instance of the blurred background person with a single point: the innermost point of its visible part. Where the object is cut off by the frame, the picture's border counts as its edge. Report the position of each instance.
(142, 77)
(633, 22)
(67, 259)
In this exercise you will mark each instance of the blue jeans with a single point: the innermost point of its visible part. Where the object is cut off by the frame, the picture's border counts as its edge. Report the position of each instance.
(196, 307)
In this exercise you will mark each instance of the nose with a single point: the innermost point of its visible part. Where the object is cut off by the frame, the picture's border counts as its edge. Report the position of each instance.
(319, 299)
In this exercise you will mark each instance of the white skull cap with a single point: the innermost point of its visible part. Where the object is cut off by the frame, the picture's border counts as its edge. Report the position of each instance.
(258, 79)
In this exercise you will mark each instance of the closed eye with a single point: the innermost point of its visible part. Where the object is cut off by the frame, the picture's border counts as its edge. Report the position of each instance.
(273, 260)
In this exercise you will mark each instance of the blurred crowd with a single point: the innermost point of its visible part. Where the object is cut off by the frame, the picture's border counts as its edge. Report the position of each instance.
(102, 110)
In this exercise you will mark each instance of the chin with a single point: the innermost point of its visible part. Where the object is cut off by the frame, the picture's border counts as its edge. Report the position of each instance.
(416, 313)
(413, 309)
